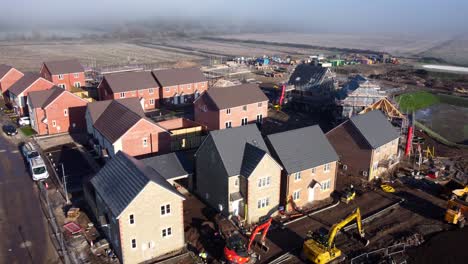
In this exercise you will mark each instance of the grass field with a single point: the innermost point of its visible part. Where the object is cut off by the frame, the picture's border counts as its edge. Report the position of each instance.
(410, 102)
(27, 131)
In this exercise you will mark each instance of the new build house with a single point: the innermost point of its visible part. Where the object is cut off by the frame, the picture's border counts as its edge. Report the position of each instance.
(56, 111)
(8, 76)
(367, 144)
(140, 212)
(226, 107)
(141, 85)
(64, 73)
(309, 162)
(180, 86)
(235, 174)
(19, 91)
(121, 125)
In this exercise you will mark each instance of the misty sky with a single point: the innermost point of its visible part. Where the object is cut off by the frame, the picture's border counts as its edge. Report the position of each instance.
(404, 16)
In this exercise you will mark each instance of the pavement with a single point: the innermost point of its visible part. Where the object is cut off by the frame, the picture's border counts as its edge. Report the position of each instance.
(24, 229)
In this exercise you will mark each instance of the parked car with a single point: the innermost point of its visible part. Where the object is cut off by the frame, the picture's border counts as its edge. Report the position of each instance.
(10, 130)
(29, 151)
(24, 121)
(38, 169)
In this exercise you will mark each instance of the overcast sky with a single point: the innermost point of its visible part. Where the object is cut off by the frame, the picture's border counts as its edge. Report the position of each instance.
(405, 16)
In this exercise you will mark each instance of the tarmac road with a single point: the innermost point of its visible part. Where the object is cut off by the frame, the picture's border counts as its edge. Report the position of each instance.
(24, 236)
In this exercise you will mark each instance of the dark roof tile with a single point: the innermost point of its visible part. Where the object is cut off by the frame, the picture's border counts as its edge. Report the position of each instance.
(375, 128)
(227, 97)
(64, 66)
(171, 77)
(130, 81)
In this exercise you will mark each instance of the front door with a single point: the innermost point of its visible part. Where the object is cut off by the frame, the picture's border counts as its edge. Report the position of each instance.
(311, 194)
(235, 207)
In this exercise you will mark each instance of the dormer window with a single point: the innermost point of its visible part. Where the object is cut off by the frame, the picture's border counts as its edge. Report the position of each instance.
(60, 76)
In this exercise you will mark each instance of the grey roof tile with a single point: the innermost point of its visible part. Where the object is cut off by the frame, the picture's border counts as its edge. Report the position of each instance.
(170, 77)
(170, 165)
(233, 96)
(252, 156)
(20, 86)
(130, 81)
(123, 178)
(231, 145)
(375, 128)
(307, 73)
(64, 66)
(40, 99)
(4, 69)
(302, 148)
(98, 107)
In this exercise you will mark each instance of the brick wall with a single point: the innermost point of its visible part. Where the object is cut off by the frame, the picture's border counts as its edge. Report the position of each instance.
(238, 113)
(188, 90)
(132, 141)
(67, 112)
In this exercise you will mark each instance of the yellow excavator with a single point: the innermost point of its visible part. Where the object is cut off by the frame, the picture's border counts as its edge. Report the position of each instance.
(321, 249)
(461, 194)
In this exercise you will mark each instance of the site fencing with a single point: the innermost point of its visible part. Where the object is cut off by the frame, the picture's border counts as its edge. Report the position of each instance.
(56, 234)
(437, 136)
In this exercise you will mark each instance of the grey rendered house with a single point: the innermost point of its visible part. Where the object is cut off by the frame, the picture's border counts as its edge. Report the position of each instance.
(235, 174)
(140, 212)
(309, 162)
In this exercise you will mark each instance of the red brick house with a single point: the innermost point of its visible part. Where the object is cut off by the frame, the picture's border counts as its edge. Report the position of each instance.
(141, 85)
(180, 86)
(19, 91)
(65, 74)
(56, 111)
(8, 76)
(226, 107)
(121, 125)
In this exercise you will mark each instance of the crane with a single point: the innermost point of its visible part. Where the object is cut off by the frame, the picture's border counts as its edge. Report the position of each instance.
(235, 251)
(321, 249)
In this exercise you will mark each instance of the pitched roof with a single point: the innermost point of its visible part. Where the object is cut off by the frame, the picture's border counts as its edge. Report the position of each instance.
(172, 165)
(375, 128)
(64, 66)
(307, 73)
(23, 83)
(252, 156)
(40, 99)
(130, 81)
(171, 77)
(227, 97)
(116, 120)
(122, 179)
(98, 107)
(4, 69)
(302, 148)
(234, 144)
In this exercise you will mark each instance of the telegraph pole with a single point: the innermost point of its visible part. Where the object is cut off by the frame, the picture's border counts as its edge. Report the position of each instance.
(65, 184)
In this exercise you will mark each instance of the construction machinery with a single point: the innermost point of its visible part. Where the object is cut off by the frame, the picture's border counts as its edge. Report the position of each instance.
(457, 212)
(321, 249)
(281, 99)
(461, 194)
(236, 251)
(348, 194)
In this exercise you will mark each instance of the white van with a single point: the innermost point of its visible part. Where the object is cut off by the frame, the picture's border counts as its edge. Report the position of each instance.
(38, 169)
(29, 151)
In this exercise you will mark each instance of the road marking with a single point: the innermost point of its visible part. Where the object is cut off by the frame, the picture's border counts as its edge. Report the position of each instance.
(15, 151)
(2, 150)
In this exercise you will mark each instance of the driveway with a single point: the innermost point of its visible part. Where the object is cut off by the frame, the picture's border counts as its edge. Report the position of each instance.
(25, 235)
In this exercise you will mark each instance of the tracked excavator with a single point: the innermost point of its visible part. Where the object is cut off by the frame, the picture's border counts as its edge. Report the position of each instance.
(321, 249)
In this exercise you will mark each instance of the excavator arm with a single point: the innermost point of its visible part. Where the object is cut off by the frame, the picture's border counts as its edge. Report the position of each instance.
(338, 226)
(260, 227)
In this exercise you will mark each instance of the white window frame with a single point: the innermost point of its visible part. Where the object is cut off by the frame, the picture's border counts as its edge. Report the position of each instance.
(151, 101)
(165, 208)
(244, 108)
(296, 195)
(131, 219)
(60, 76)
(145, 142)
(62, 85)
(375, 166)
(263, 202)
(297, 176)
(133, 243)
(168, 232)
(65, 112)
(54, 123)
(312, 170)
(228, 111)
(76, 75)
(246, 121)
(259, 104)
(236, 182)
(77, 84)
(168, 89)
(325, 185)
(327, 167)
(230, 124)
(122, 95)
(189, 86)
(264, 182)
(151, 91)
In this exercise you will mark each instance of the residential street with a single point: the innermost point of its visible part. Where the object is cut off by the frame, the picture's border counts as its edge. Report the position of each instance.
(24, 229)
